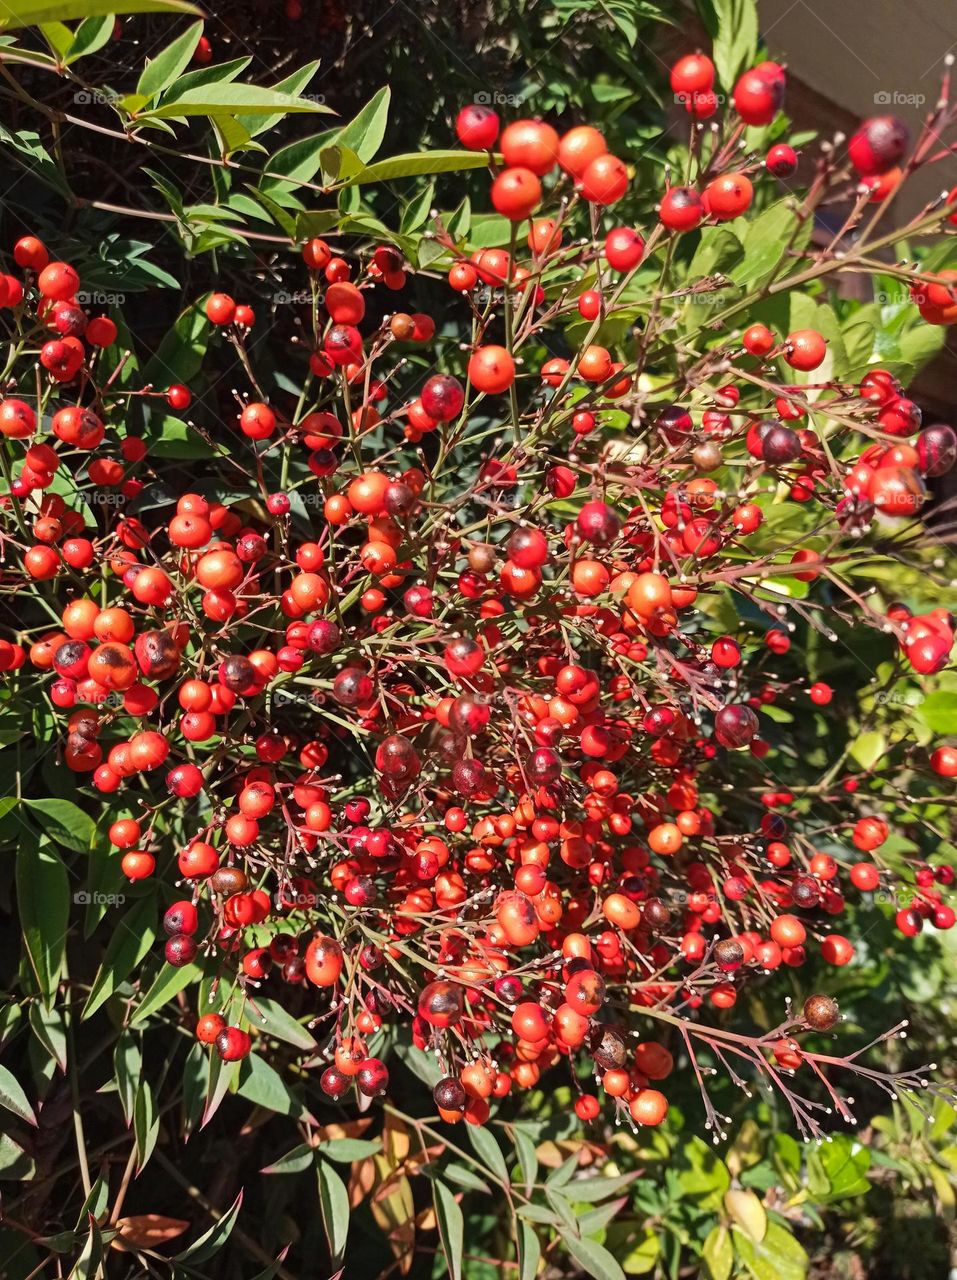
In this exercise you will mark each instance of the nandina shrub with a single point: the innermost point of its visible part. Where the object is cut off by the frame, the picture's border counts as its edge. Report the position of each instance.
(505, 688)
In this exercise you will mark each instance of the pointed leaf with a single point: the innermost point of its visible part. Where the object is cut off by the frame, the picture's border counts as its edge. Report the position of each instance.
(212, 1241)
(295, 1161)
(488, 1150)
(275, 1021)
(12, 1097)
(43, 897)
(529, 1251)
(92, 34)
(232, 99)
(777, 1257)
(364, 133)
(293, 84)
(718, 1253)
(594, 1259)
(131, 941)
(31, 13)
(160, 72)
(334, 1205)
(419, 162)
(451, 1227)
(169, 982)
(65, 823)
(261, 1083)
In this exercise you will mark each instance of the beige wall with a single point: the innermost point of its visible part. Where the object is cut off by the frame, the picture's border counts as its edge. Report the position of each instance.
(870, 57)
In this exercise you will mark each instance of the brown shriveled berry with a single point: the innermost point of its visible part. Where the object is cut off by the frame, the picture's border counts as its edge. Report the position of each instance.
(820, 1012)
(608, 1047)
(228, 880)
(729, 953)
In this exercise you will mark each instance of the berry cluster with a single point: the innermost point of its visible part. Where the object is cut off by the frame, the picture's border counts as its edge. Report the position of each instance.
(449, 698)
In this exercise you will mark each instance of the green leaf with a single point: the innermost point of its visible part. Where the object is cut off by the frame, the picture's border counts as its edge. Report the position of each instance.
(209, 1244)
(529, 1251)
(527, 1157)
(127, 1067)
(415, 163)
(643, 1256)
(262, 203)
(31, 13)
(707, 1178)
(179, 357)
(719, 251)
(232, 100)
(15, 1164)
(764, 239)
(295, 1161)
(160, 72)
(92, 34)
(598, 1188)
(594, 1259)
(845, 1164)
(171, 437)
(939, 712)
(451, 1227)
(867, 748)
(417, 210)
(364, 133)
(296, 163)
(334, 1206)
(919, 344)
(218, 73)
(32, 155)
(488, 1150)
(48, 1027)
(132, 938)
(777, 1257)
(43, 897)
(293, 84)
(262, 1084)
(58, 37)
(219, 1079)
(420, 1063)
(718, 1253)
(88, 1264)
(64, 823)
(145, 1124)
(275, 1021)
(267, 1273)
(736, 41)
(169, 982)
(95, 1203)
(345, 1150)
(12, 1097)
(463, 1176)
